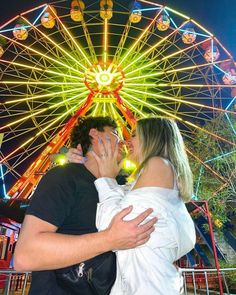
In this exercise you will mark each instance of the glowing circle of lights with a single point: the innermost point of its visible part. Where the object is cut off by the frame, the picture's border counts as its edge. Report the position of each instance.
(106, 63)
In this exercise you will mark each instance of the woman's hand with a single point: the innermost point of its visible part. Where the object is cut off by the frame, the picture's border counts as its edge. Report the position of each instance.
(75, 155)
(107, 159)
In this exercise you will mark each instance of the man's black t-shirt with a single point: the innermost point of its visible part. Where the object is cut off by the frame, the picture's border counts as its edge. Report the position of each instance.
(67, 198)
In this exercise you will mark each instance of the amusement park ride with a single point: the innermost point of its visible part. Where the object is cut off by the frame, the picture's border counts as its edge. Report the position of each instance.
(124, 60)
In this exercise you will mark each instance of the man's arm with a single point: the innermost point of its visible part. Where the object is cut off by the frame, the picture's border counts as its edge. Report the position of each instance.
(40, 248)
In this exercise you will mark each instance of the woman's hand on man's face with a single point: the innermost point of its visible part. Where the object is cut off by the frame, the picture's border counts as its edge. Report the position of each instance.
(107, 159)
(75, 155)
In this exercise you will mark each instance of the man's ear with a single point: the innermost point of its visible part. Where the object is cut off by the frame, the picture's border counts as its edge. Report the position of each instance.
(93, 133)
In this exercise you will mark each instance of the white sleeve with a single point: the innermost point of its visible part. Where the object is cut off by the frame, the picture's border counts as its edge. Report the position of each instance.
(110, 194)
(113, 198)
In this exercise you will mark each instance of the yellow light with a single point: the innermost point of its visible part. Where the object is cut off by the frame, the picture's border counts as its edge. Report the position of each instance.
(193, 67)
(105, 40)
(185, 49)
(178, 13)
(201, 27)
(175, 117)
(39, 83)
(128, 165)
(218, 223)
(142, 84)
(62, 160)
(151, 3)
(58, 119)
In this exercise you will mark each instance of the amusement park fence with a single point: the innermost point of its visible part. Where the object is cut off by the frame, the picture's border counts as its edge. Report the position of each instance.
(195, 281)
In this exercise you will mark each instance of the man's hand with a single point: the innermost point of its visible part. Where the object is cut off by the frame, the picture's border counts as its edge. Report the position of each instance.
(130, 234)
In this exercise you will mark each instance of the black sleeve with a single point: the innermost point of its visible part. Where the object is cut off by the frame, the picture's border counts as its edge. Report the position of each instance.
(53, 198)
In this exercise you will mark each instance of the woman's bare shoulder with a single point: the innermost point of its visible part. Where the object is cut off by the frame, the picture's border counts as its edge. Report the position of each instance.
(157, 172)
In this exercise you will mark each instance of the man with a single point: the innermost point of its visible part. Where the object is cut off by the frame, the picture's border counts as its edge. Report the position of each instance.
(59, 227)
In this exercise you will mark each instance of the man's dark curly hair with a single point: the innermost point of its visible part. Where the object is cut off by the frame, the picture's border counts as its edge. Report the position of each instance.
(80, 132)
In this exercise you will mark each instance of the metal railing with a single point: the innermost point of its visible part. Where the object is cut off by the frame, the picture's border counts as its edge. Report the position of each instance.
(206, 281)
(195, 281)
(13, 282)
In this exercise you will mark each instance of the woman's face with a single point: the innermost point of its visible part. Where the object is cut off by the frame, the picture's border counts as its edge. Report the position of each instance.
(133, 145)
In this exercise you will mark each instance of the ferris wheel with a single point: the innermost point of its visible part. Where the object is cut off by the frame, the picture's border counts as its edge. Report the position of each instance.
(124, 60)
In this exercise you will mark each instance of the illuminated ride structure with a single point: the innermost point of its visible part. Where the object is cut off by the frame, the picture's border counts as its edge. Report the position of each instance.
(107, 58)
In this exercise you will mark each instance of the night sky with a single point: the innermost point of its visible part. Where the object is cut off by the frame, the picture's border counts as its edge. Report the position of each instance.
(217, 16)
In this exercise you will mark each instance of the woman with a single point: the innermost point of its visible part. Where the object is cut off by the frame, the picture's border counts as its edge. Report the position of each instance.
(163, 181)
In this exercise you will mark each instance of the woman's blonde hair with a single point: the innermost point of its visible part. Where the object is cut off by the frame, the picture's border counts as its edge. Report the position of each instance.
(160, 136)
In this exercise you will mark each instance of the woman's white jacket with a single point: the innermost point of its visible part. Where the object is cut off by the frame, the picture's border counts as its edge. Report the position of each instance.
(148, 269)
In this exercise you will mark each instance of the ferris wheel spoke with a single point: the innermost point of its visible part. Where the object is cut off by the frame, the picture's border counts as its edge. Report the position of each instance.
(223, 47)
(94, 111)
(43, 55)
(23, 156)
(141, 84)
(132, 106)
(52, 94)
(184, 121)
(105, 42)
(195, 85)
(54, 43)
(137, 77)
(149, 105)
(89, 42)
(19, 82)
(148, 51)
(122, 41)
(194, 67)
(182, 101)
(157, 61)
(121, 122)
(131, 49)
(77, 45)
(34, 114)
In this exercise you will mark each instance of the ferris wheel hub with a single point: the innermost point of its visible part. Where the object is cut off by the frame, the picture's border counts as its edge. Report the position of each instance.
(103, 78)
